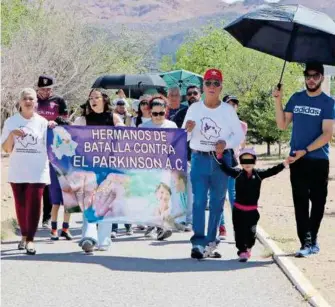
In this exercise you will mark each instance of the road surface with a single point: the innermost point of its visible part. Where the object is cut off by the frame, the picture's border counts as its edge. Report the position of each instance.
(138, 272)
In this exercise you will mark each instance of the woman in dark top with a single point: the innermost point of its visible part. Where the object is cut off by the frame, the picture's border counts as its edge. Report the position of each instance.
(248, 181)
(96, 112)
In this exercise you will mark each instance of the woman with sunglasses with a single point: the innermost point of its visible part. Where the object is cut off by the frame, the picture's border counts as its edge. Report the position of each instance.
(158, 110)
(143, 113)
(24, 136)
(157, 106)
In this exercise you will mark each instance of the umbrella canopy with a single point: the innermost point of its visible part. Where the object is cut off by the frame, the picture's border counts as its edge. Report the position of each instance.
(133, 85)
(182, 79)
(290, 32)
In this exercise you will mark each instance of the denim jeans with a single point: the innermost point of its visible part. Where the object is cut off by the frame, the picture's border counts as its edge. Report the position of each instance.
(100, 234)
(206, 176)
(231, 197)
(189, 197)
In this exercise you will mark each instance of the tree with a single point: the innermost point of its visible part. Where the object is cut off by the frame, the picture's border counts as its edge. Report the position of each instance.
(248, 74)
(57, 43)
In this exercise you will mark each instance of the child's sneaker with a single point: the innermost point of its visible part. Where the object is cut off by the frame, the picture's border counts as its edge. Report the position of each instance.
(243, 257)
(222, 232)
(66, 234)
(54, 235)
(113, 234)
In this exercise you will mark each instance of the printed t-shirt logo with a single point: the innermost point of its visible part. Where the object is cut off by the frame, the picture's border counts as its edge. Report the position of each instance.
(209, 128)
(307, 110)
(29, 139)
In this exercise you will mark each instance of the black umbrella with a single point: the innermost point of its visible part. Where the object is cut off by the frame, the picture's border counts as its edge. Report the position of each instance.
(293, 33)
(133, 85)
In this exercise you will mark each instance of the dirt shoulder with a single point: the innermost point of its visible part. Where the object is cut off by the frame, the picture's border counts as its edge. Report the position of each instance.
(277, 218)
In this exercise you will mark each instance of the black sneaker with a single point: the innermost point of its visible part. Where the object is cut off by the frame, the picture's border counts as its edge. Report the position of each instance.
(197, 252)
(67, 235)
(54, 235)
(163, 234)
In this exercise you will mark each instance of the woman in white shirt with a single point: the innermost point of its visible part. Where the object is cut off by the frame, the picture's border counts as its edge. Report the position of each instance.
(143, 113)
(212, 128)
(158, 109)
(157, 106)
(24, 137)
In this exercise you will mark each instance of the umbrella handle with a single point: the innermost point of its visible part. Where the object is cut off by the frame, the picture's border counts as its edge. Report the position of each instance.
(281, 77)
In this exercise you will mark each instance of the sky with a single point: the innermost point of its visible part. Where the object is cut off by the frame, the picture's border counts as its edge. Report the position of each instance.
(232, 1)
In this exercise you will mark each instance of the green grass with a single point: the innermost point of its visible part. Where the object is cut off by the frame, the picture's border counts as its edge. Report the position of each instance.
(8, 228)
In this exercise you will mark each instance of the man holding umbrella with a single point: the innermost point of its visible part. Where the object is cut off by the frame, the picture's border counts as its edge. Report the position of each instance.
(312, 114)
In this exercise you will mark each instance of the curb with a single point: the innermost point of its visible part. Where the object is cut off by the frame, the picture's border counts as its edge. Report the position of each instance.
(301, 283)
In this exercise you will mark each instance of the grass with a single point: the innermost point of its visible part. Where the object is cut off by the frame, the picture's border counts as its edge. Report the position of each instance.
(267, 253)
(282, 240)
(8, 228)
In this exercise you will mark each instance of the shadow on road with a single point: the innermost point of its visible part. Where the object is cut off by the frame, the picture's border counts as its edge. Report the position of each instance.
(135, 264)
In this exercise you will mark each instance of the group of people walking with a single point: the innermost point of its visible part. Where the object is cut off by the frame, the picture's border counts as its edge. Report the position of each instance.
(216, 143)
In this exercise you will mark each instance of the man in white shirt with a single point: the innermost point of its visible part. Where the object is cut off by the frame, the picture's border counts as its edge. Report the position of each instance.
(213, 127)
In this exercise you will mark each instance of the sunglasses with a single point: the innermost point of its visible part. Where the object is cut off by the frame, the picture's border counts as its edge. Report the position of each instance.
(214, 83)
(155, 114)
(194, 93)
(144, 103)
(315, 76)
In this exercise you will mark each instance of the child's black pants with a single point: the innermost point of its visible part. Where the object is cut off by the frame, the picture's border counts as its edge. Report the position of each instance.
(245, 223)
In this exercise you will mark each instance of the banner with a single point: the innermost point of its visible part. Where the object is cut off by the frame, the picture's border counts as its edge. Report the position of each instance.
(121, 174)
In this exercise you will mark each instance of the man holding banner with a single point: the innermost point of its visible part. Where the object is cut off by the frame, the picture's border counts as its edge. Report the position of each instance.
(213, 127)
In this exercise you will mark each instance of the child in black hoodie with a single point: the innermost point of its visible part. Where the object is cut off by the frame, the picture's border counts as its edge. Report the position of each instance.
(248, 185)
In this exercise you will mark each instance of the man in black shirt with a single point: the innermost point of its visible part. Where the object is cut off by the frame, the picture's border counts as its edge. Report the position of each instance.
(53, 108)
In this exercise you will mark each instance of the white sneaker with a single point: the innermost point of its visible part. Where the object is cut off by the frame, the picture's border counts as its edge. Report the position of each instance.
(103, 248)
(211, 252)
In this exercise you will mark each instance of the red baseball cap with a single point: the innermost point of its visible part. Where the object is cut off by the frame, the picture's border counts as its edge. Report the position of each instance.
(213, 74)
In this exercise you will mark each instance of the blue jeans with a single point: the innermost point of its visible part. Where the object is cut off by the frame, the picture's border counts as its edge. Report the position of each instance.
(231, 197)
(206, 176)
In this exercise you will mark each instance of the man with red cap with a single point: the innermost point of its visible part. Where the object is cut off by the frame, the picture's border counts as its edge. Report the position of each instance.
(213, 127)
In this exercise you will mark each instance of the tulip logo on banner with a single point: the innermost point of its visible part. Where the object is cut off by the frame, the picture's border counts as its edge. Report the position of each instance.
(122, 175)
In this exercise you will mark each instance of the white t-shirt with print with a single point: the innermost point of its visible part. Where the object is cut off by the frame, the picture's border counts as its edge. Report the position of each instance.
(28, 162)
(213, 125)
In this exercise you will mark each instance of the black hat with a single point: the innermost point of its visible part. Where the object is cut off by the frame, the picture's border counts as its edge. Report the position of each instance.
(318, 67)
(45, 81)
(120, 103)
(228, 98)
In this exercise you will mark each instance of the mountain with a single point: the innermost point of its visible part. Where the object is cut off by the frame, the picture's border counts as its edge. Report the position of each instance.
(168, 22)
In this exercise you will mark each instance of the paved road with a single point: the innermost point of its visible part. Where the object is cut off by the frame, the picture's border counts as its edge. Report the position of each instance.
(139, 272)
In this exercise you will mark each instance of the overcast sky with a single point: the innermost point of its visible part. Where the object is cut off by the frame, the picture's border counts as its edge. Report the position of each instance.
(232, 1)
